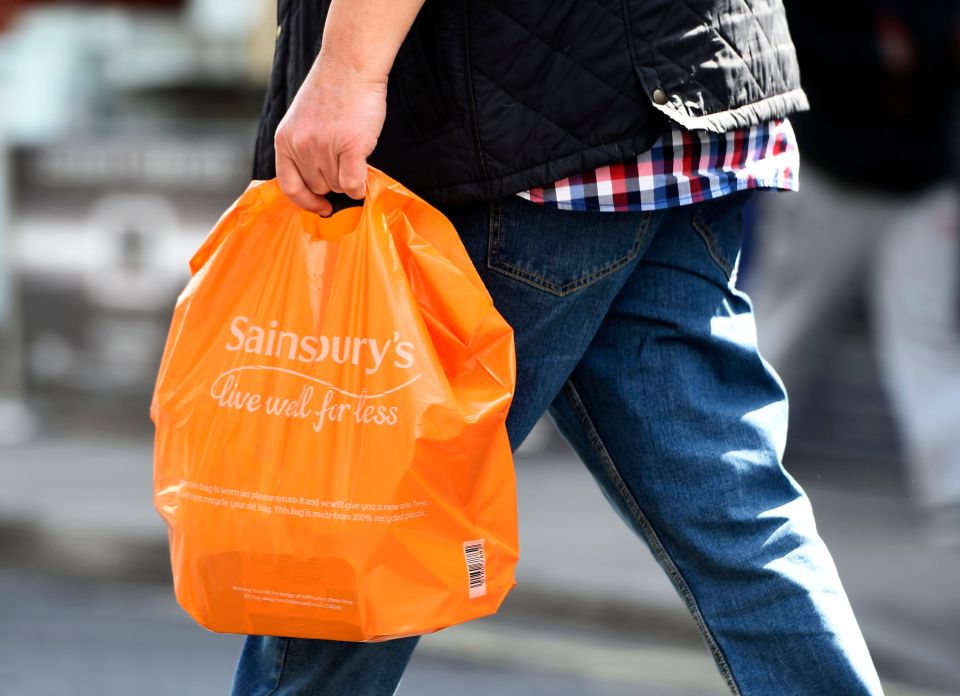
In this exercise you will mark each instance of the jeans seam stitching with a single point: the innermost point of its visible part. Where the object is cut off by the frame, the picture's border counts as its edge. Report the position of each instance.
(659, 550)
(564, 289)
(282, 667)
(709, 238)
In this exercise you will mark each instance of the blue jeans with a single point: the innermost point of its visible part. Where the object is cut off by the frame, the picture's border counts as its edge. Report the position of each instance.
(630, 332)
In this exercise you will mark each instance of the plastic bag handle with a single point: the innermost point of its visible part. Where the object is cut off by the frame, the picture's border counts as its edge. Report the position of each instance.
(341, 201)
(267, 193)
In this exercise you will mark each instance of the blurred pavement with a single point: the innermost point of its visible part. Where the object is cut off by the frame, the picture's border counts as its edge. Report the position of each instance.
(75, 509)
(78, 638)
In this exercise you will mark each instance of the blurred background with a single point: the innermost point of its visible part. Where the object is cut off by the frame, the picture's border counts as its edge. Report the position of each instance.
(127, 127)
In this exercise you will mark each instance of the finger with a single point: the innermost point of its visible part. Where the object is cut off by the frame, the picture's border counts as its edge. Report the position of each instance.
(315, 180)
(353, 174)
(330, 168)
(295, 188)
(318, 184)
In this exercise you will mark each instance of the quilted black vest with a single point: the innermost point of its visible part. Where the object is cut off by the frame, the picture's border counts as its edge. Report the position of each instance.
(490, 97)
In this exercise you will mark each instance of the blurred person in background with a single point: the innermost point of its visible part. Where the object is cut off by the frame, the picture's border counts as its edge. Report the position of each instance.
(880, 207)
(633, 139)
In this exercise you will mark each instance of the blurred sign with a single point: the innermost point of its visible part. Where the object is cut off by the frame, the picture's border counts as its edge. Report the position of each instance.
(103, 230)
(185, 164)
(10, 8)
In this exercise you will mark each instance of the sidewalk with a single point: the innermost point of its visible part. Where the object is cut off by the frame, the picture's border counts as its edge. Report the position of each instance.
(80, 504)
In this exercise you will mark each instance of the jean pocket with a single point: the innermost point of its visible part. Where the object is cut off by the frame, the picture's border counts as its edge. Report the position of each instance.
(720, 224)
(561, 251)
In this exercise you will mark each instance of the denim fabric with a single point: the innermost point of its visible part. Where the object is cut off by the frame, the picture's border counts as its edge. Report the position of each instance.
(630, 331)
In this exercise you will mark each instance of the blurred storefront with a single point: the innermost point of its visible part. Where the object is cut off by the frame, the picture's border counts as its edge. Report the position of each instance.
(127, 129)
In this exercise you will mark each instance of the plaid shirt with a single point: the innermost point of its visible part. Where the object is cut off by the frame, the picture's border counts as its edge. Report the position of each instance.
(681, 168)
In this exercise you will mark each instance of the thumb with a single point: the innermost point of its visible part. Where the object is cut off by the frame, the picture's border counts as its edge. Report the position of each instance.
(353, 174)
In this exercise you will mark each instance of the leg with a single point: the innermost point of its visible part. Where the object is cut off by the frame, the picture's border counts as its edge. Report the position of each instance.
(812, 249)
(915, 286)
(683, 425)
(552, 274)
(298, 667)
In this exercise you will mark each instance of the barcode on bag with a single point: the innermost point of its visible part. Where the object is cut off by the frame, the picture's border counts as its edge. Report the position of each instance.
(476, 567)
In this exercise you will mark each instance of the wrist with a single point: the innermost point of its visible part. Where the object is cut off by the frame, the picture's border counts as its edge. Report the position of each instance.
(340, 66)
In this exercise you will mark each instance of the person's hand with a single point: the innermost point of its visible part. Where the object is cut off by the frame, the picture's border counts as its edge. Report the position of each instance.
(323, 142)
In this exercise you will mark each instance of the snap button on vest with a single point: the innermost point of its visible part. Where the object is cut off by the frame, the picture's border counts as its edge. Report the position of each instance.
(659, 96)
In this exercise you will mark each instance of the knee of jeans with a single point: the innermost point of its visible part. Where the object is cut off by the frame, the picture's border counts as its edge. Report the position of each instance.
(763, 533)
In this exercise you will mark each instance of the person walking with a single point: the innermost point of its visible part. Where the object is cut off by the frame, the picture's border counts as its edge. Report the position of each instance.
(595, 157)
(886, 229)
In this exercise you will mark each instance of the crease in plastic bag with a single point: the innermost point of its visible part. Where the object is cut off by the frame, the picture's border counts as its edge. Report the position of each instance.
(330, 456)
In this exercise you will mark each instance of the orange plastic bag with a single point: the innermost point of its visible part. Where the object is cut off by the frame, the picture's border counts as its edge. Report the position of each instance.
(331, 456)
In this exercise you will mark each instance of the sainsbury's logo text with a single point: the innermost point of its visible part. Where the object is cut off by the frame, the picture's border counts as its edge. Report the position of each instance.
(370, 353)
